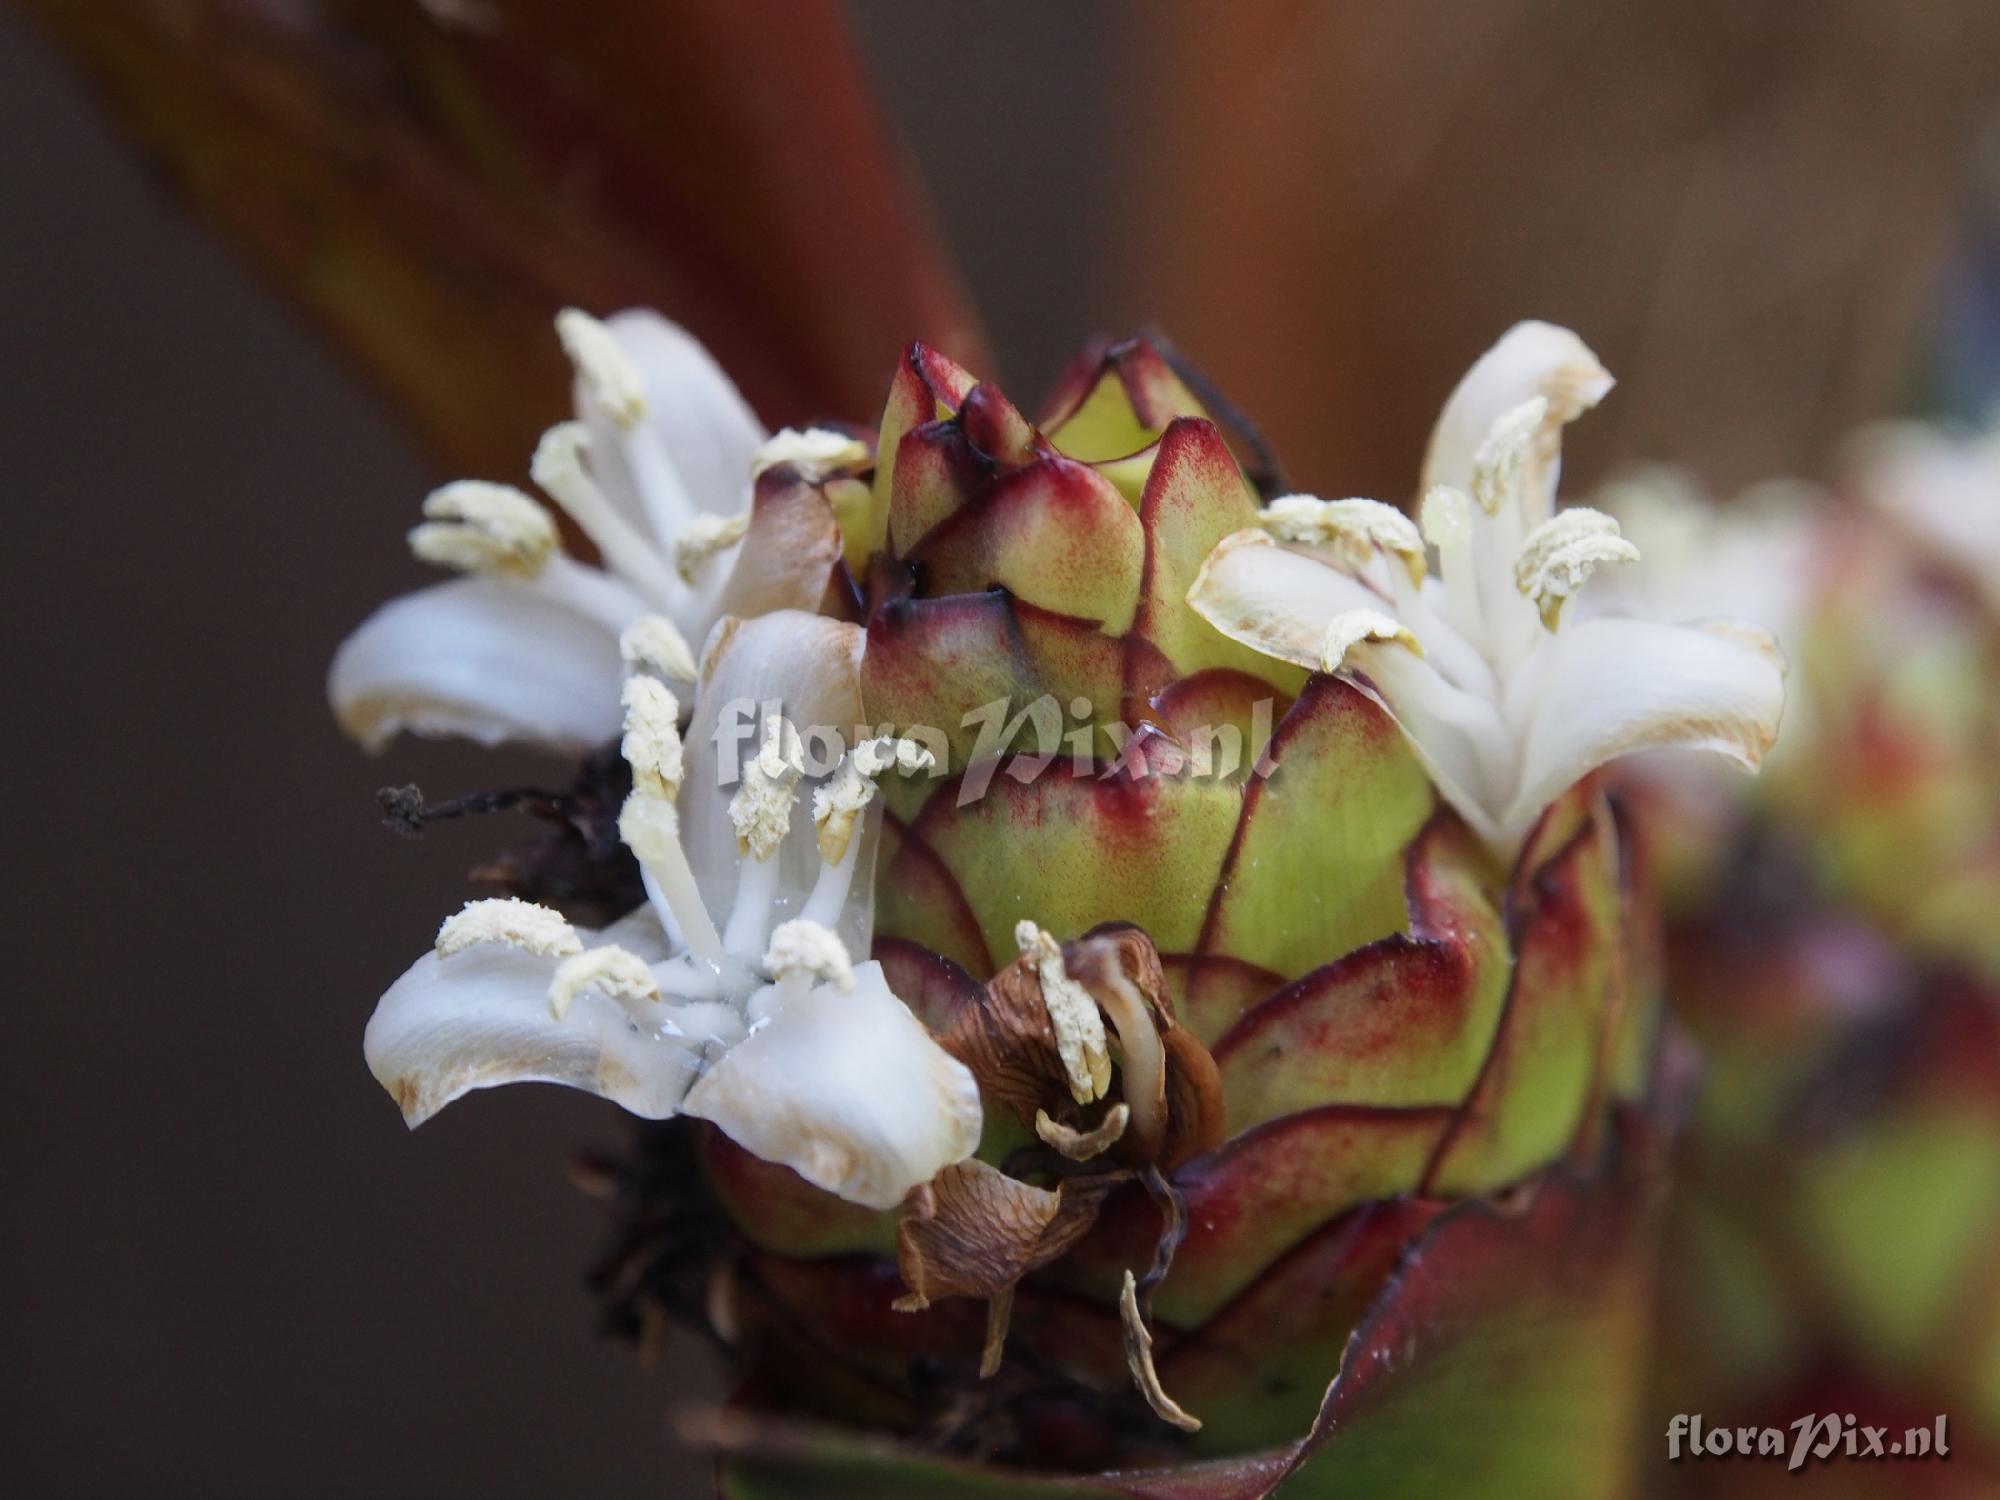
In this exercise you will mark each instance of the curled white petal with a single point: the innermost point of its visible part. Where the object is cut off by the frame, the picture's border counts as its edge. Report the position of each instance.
(482, 1018)
(1531, 359)
(1612, 687)
(1354, 627)
(511, 923)
(1274, 600)
(848, 1090)
(488, 659)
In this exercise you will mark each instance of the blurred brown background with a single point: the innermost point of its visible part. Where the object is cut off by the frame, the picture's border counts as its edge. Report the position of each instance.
(229, 1269)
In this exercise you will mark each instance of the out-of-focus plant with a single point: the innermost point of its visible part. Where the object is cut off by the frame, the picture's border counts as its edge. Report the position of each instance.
(1831, 944)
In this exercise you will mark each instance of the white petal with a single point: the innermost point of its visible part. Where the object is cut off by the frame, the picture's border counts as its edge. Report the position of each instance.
(1613, 686)
(808, 668)
(488, 659)
(1275, 600)
(1944, 490)
(848, 1090)
(1284, 604)
(1532, 359)
(481, 1018)
(1457, 736)
(705, 425)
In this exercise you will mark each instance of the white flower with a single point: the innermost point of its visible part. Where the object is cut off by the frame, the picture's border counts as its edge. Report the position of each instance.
(1754, 559)
(759, 1023)
(1506, 698)
(658, 470)
(1942, 490)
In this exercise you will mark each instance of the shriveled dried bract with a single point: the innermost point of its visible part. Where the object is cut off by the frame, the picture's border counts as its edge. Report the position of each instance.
(974, 1231)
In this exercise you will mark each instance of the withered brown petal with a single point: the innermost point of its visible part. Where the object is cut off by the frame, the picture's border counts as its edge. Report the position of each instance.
(1194, 1099)
(1139, 1356)
(1082, 1145)
(1009, 1045)
(1167, 1081)
(975, 1232)
(1124, 961)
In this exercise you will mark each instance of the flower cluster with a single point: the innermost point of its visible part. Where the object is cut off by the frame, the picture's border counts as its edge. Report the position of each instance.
(1141, 1045)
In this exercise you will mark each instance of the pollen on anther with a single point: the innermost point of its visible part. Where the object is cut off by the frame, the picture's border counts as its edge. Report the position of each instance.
(511, 922)
(652, 743)
(761, 810)
(612, 971)
(1073, 1015)
(801, 947)
(604, 365)
(653, 643)
(479, 527)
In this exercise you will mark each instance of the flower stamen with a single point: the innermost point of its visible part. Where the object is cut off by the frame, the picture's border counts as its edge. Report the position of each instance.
(477, 527)
(603, 364)
(805, 948)
(617, 973)
(1355, 627)
(558, 467)
(653, 643)
(1073, 1014)
(1354, 530)
(652, 743)
(509, 921)
(705, 536)
(649, 823)
(761, 814)
(817, 452)
(1559, 556)
(837, 808)
(1500, 463)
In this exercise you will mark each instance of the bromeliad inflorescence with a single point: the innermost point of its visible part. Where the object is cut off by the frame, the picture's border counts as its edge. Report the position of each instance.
(1184, 1077)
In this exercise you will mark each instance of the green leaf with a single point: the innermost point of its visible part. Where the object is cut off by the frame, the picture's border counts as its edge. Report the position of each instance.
(1114, 401)
(944, 662)
(1545, 1069)
(1255, 1199)
(1316, 868)
(1069, 852)
(1404, 1021)
(1052, 534)
(1194, 496)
